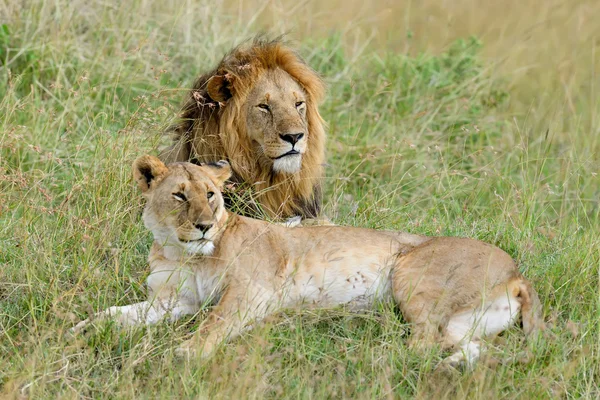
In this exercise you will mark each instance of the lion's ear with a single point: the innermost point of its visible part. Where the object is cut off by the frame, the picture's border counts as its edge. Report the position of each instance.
(219, 88)
(219, 171)
(146, 170)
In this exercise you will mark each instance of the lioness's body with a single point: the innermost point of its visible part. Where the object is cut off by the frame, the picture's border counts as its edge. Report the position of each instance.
(331, 265)
(454, 291)
(321, 266)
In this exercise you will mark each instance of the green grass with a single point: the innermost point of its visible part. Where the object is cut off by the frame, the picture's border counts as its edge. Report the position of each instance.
(428, 143)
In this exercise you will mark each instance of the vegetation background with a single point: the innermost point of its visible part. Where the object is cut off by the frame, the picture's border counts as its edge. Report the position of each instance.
(476, 118)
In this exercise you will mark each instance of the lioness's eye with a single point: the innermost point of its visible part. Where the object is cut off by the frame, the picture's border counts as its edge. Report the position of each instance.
(179, 196)
(264, 106)
(209, 195)
(299, 103)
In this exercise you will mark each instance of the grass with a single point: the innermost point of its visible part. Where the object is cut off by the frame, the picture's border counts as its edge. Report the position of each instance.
(472, 120)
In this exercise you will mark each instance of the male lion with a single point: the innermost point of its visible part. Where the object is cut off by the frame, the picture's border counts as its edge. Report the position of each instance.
(258, 109)
(454, 291)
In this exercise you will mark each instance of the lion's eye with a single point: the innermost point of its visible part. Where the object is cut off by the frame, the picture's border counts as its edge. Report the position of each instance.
(264, 106)
(209, 195)
(179, 196)
(299, 103)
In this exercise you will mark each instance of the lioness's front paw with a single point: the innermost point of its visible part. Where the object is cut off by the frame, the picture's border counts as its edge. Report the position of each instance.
(84, 325)
(80, 327)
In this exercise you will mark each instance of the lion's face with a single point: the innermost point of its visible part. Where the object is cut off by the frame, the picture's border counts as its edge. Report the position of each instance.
(184, 205)
(276, 120)
(258, 109)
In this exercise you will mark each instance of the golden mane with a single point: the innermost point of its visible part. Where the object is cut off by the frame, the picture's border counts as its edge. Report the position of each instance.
(210, 130)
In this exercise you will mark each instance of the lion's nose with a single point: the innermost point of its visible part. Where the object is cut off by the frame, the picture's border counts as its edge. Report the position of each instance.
(292, 138)
(203, 227)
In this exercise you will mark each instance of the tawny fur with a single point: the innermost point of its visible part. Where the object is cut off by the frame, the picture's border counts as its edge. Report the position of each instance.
(213, 129)
(454, 291)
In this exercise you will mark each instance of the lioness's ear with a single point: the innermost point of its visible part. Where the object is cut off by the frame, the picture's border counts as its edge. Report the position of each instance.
(219, 171)
(219, 88)
(146, 170)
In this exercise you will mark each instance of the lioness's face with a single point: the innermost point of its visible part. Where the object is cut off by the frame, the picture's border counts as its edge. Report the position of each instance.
(276, 120)
(184, 205)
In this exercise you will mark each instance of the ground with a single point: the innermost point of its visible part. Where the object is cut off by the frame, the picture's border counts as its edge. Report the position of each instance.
(467, 118)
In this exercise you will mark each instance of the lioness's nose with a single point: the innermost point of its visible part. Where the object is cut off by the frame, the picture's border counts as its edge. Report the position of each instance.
(292, 137)
(203, 227)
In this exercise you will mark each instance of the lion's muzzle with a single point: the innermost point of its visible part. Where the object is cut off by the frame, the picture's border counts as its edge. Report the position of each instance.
(292, 138)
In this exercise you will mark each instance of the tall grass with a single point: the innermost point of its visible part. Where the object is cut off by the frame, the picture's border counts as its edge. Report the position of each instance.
(468, 118)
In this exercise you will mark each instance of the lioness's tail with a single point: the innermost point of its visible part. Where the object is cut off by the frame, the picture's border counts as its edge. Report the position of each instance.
(531, 309)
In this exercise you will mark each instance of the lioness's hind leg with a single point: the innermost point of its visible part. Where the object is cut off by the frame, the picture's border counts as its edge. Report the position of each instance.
(466, 329)
(424, 311)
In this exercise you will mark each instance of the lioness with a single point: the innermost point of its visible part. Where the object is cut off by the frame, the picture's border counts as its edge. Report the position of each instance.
(454, 291)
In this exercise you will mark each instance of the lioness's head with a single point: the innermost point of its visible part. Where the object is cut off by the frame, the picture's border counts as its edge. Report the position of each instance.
(275, 117)
(184, 205)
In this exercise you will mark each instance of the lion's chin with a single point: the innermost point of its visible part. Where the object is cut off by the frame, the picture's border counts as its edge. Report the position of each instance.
(199, 247)
(289, 164)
